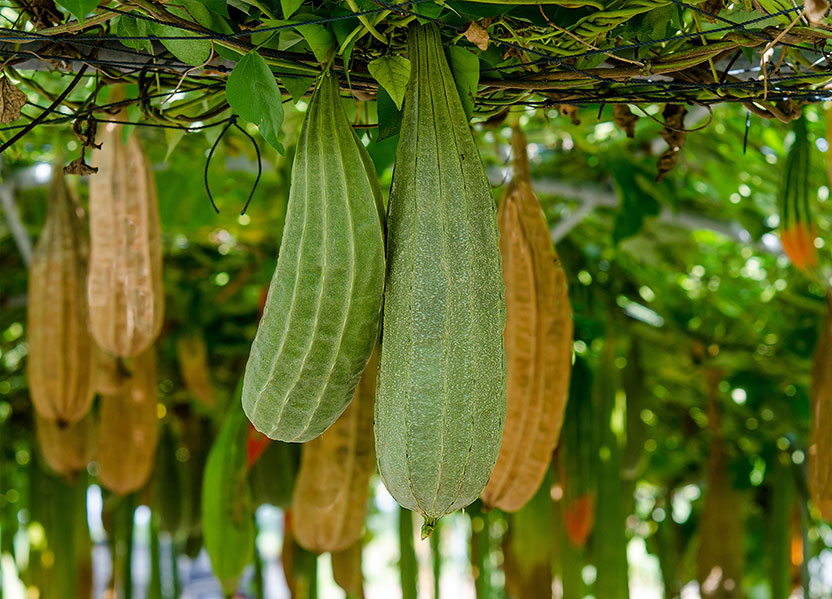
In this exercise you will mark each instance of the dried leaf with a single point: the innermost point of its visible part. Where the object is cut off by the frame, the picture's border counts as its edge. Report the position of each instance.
(80, 167)
(44, 13)
(815, 10)
(674, 134)
(477, 35)
(571, 112)
(711, 8)
(625, 119)
(85, 129)
(11, 101)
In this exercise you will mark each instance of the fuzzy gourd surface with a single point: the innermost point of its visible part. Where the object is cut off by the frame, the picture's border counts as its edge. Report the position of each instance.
(321, 317)
(440, 403)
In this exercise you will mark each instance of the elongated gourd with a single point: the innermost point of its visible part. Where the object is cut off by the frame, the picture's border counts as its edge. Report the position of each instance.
(819, 462)
(330, 497)
(125, 281)
(440, 405)
(60, 359)
(346, 570)
(129, 428)
(719, 561)
(797, 227)
(321, 317)
(538, 340)
(227, 509)
(527, 548)
(66, 449)
(272, 476)
(192, 353)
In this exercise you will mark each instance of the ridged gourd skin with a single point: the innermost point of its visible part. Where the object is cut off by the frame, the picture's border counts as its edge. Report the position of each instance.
(330, 496)
(322, 313)
(125, 291)
(440, 404)
(129, 428)
(66, 449)
(538, 340)
(819, 462)
(60, 361)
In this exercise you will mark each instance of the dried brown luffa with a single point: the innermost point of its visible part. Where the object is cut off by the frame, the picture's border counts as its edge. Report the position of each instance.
(66, 449)
(719, 562)
(60, 348)
(129, 427)
(192, 352)
(820, 442)
(330, 496)
(538, 341)
(125, 281)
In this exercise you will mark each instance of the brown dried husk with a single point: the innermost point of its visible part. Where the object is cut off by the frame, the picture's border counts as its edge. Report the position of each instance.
(820, 447)
(538, 341)
(719, 562)
(193, 363)
(66, 449)
(330, 496)
(129, 427)
(60, 358)
(125, 281)
(110, 373)
(346, 570)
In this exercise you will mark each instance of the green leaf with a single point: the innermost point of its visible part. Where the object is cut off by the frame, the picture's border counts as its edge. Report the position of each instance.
(194, 52)
(392, 73)
(253, 94)
(218, 6)
(199, 12)
(636, 201)
(173, 137)
(466, 68)
(79, 8)
(289, 7)
(128, 26)
(319, 38)
(297, 86)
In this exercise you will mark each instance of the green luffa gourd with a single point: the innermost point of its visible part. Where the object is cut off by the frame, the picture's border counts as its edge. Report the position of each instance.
(321, 317)
(440, 404)
(227, 509)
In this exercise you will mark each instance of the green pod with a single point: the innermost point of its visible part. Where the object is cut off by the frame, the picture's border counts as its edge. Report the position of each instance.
(273, 475)
(440, 405)
(321, 317)
(227, 508)
(171, 488)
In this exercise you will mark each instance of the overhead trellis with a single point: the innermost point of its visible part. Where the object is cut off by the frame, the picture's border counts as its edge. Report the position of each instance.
(179, 57)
